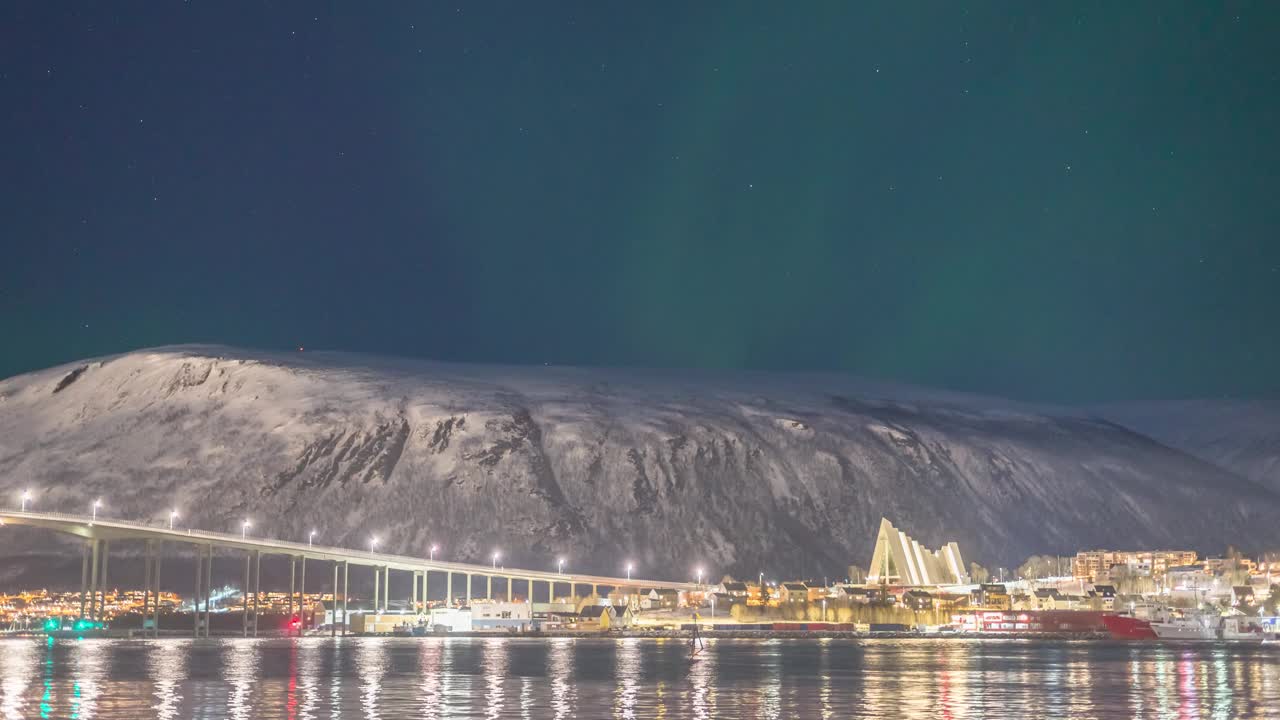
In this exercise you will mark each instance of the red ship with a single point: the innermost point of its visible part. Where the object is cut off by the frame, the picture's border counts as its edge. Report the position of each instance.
(1125, 627)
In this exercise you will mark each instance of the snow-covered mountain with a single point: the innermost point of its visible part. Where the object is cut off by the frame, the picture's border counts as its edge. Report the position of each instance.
(1242, 436)
(740, 473)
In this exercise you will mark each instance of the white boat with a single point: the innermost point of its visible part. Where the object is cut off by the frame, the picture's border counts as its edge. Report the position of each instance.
(1193, 627)
(1210, 627)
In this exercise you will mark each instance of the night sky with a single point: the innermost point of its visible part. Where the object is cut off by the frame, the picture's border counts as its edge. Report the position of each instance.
(1068, 202)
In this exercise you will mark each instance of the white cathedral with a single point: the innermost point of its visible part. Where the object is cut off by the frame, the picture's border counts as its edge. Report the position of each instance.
(900, 560)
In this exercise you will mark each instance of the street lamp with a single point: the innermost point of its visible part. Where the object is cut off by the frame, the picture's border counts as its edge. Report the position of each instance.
(699, 571)
(432, 553)
(373, 544)
(96, 504)
(496, 555)
(311, 537)
(244, 528)
(26, 496)
(559, 566)
(630, 567)
(173, 515)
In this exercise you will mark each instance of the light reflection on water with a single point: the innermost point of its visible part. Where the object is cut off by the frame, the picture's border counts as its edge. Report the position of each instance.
(89, 667)
(628, 674)
(167, 666)
(495, 673)
(560, 668)
(240, 661)
(430, 659)
(372, 659)
(321, 679)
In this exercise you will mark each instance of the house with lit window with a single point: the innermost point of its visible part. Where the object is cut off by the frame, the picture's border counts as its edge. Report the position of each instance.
(918, 599)
(1102, 597)
(793, 592)
(661, 599)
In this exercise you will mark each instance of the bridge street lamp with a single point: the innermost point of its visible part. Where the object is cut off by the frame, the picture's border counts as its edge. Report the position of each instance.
(173, 515)
(311, 538)
(559, 566)
(496, 555)
(431, 554)
(26, 497)
(244, 528)
(96, 504)
(630, 567)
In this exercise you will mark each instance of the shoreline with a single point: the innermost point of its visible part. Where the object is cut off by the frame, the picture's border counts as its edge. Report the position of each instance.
(681, 635)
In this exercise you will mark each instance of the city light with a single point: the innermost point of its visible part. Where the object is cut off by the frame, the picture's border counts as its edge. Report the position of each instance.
(559, 566)
(26, 496)
(244, 529)
(496, 555)
(432, 553)
(699, 572)
(173, 515)
(630, 567)
(310, 538)
(373, 544)
(96, 504)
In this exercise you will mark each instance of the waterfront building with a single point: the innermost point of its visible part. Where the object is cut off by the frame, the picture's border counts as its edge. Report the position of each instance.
(450, 619)
(604, 617)
(899, 559)
(493, 615)
(376, 623)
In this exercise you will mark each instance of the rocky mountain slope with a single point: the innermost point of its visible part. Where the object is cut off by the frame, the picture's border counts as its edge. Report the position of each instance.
(739, 473)
(1242, 436)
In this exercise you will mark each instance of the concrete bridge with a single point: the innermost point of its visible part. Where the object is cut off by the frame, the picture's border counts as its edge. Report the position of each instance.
(100, 532)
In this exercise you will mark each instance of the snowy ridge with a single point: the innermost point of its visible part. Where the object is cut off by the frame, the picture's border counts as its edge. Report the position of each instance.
(739, 472)
(1242, 436)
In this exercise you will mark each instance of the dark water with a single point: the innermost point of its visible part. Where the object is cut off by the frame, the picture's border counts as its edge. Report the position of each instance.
(632, 678)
